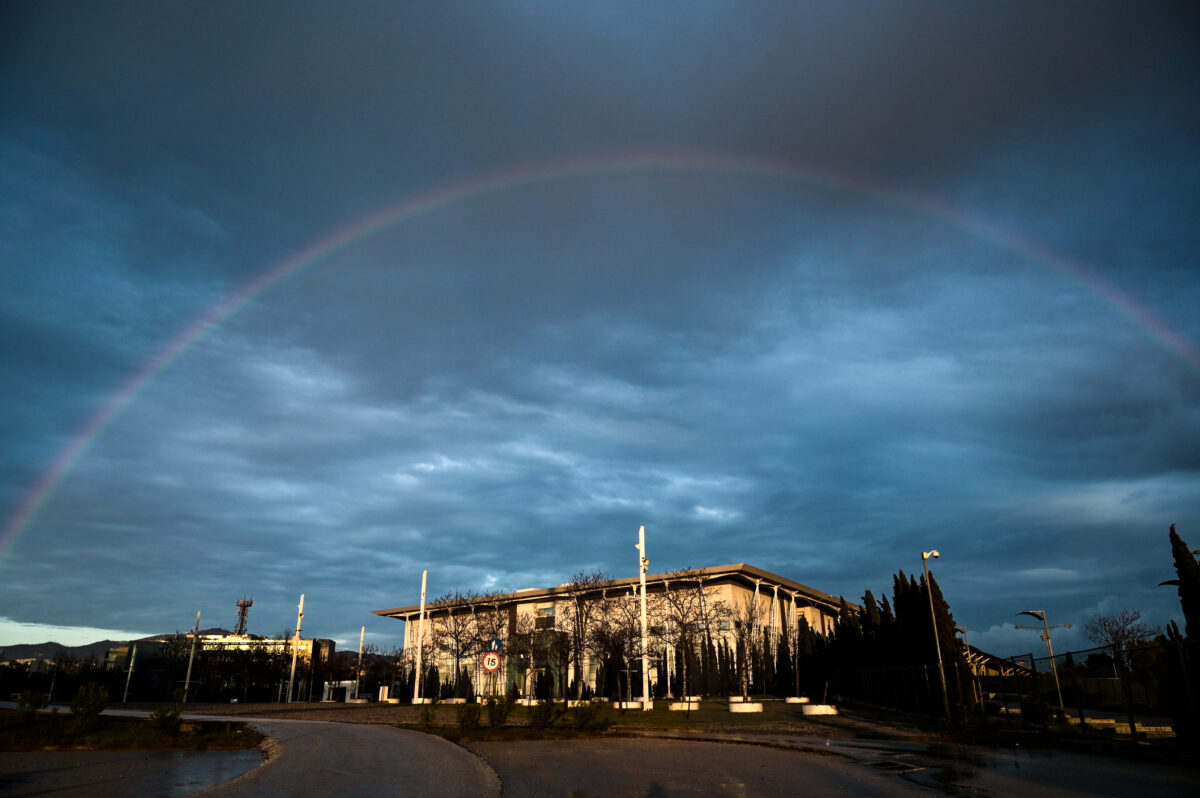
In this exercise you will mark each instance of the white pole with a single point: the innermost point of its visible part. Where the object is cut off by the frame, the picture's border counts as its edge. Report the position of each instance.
(129, 675)
(358, 673)
(295, 647)
(642, 565)
(420, 639)
(187, 680)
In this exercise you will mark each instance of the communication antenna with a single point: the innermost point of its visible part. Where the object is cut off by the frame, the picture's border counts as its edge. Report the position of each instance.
(244, 604)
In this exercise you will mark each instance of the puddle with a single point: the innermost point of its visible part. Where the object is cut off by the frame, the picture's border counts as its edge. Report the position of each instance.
(188, 772)
(85, 774)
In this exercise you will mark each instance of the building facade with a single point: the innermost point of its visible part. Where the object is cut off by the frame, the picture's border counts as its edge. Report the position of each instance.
(584, 637)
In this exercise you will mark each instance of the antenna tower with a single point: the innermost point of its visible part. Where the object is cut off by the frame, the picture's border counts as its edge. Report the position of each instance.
(243, 606)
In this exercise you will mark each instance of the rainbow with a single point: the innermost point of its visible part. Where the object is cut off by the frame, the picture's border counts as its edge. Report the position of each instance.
(450, 194)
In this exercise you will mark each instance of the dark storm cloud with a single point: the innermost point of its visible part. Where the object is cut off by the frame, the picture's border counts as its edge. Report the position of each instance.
(811, 377)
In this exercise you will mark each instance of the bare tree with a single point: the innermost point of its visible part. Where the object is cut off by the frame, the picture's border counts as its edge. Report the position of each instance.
(747, 618)
(683, 611)
(1122, 629)
(575, 619)
(454, 632)
(492, 622)
(616, 631)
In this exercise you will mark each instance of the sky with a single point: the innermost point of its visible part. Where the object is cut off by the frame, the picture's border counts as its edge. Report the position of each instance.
(308, 298)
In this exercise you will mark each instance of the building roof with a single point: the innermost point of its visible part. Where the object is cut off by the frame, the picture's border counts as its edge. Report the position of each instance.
(736, 572)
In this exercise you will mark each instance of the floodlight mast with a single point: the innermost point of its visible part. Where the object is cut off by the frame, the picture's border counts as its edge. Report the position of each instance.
(643, 564)
(420, 635)
(129, 675)
(296, 646)
(187, 680)
(1046, 627)
(358, 673)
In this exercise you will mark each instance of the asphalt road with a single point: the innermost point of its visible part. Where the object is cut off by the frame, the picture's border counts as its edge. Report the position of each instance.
(658, 768)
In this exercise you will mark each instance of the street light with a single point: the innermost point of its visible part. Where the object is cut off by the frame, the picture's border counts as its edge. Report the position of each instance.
(1041, 616)
(937, 643)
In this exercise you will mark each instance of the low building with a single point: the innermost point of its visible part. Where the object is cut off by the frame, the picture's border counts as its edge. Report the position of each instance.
(579, 630)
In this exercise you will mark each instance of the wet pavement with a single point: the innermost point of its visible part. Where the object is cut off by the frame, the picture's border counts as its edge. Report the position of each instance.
(86, 774)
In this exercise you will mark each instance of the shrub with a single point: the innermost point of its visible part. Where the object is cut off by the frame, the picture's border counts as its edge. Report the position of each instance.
(88, 704)
(499, 709)
(544, 714)
(468, 716)
(591, 717)
(167, 719)
(28, 703)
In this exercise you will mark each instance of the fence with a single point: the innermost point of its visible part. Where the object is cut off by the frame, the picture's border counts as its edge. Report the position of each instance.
(1143, 691)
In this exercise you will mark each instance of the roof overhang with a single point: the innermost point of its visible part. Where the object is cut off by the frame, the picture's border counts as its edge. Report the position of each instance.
(741, 573)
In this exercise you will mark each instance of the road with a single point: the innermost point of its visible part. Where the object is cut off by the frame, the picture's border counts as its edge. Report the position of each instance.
(657, 767)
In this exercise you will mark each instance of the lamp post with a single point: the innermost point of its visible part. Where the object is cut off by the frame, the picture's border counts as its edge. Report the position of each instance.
(975, 691)
(937, 643)
(1046, 627)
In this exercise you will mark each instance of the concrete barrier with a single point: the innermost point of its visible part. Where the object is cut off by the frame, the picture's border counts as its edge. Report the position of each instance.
(683, 706)
(819, 709)
(745, 706)
(797, 699)
(633, 705)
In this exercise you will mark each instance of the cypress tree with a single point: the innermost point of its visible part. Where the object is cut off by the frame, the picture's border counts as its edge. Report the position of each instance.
(783, 666)
(1188, 570)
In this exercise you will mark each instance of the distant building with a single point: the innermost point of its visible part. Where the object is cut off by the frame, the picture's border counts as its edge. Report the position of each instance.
(531, 627)
(117, 657)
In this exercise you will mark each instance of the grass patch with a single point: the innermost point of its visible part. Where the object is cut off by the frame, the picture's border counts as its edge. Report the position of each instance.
(59, 732)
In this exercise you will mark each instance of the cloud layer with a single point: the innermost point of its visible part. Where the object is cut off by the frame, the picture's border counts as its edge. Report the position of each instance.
(822, 377)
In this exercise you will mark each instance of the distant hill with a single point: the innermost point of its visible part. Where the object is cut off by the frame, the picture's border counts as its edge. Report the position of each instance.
(97, 650)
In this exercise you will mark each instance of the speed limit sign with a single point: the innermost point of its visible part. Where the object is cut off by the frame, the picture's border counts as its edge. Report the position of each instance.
(490, 661)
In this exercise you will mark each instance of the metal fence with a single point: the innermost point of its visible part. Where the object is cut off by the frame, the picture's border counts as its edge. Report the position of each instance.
(1143, 691)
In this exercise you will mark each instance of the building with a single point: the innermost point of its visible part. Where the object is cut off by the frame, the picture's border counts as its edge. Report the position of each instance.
(575, 635)
(117, 657)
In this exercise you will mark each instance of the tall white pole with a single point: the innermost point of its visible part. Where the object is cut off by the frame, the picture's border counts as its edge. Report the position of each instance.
(358, 673)
(420, 640)
(129, 675)
(643, 564)
(937, 643)
(187, 680)
(295, 647)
